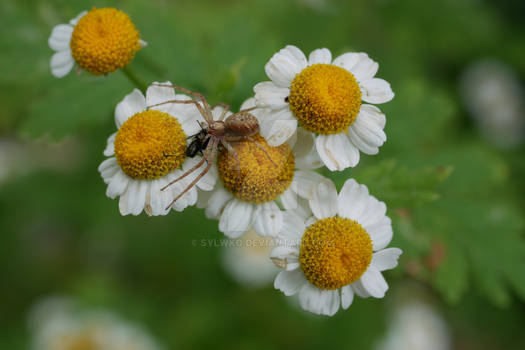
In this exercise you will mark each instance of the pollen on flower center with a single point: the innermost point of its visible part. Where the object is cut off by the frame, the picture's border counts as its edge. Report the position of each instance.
(85, 341)
(325, 98)
(260, 175)
(335, 252)
(150, 144)
(104, 40)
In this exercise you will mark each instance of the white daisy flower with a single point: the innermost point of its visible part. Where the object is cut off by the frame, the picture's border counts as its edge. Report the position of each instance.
(249, 187)
(149, 150)
(326, 97)
(247, 261)
(336, 253)
(59, 324)
(99, 41)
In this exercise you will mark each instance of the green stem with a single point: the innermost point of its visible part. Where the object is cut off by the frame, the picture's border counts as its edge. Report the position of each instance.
(134, 78)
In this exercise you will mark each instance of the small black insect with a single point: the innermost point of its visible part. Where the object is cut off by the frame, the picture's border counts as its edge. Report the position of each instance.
(198, 144)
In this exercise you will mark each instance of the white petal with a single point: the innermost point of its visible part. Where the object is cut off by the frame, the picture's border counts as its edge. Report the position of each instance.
(108, 168)
(324, 200)
(60, 37)
(216, 203)
(75, 20)
(207, 182)
(336, 151)
(110, 146)
(347, 296)
(375, 211)
(381, 233)
(61, 63)
(286, 257)
(372, 114)
(374, 282)
(132, 104)
(268, 219)
(359, 64)
(386, 259)
(292, 230)
(236, 218)
(347, 60)
(358, 288)
(136, 196)
(279, 132)
(267, 94)
(156, 94)
(289, 198)
(321, 302)
(376, 91)
(289, 282)
(118, 185)
(284, 65)
(303, 143)
(123, 203)
(169, 194)
(190, 197)
(323, 56)
(352, 200)
(155, 198)
(305, 182)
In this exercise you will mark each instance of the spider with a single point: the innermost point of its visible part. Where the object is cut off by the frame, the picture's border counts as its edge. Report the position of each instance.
(240, 126)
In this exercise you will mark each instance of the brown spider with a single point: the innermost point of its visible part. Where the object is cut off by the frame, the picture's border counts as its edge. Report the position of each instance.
(237, 127)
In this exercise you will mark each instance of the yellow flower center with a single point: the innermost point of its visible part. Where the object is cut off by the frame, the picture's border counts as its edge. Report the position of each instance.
(325, 98)
(104, 40)
(150, 144)
(256, 178)
(335, 252)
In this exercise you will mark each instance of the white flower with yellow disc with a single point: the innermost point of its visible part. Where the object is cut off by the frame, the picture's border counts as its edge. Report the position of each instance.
(336, 253)
(255, 176)
(149, 151)
(99, 41)
(326, 97)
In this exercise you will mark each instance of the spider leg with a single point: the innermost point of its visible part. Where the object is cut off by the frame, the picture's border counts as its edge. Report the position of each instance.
(204, 159)
(192, 93)
(204, 172)
(248, 109)
(261, 147)
(226, 109)
(231, 150)
(196, 103)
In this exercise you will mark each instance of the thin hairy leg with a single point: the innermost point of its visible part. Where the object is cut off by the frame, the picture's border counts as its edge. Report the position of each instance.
(204, 172)
(231, 150)
(248, 109)
(192, 93)
(196, 103)
(195, 167)
(226, 109)
(249, 138)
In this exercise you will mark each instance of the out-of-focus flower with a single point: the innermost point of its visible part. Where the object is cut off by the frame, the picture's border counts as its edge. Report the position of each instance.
(149, 150)
(247, 260)
(415, 325)
(254, 176)
(19, 157)
(495, 99)
(59, 324)
(325, 97)
(99, 41)
(339, 251)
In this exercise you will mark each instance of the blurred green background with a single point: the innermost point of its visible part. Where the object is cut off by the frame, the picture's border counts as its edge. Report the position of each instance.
(456, 199)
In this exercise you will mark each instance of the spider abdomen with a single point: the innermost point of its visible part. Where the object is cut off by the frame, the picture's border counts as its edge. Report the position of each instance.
(243, 124)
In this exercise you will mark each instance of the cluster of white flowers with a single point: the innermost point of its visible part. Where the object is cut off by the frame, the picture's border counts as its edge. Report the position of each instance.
(314, 112)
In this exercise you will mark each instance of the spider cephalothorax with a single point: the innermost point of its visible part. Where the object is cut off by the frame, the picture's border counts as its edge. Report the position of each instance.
(240, 126)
